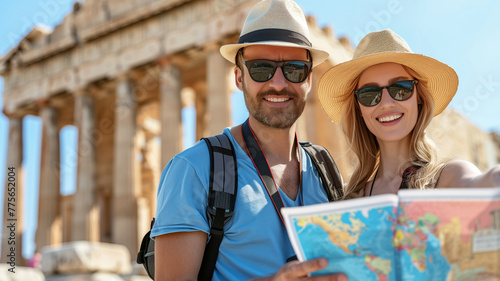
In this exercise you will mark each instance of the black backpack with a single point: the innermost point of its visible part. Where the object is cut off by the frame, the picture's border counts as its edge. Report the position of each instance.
(222, 196)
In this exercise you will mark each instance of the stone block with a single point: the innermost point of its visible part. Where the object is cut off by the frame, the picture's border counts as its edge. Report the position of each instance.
(85, 257)
(104, 67)
(64, 81)
(140, 54)
(20, 273)
(138, 269)
(138, 273)
(137, 278)
(98, 276)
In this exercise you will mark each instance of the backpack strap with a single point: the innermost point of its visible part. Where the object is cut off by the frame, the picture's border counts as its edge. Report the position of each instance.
(223, 187)
(327, 170)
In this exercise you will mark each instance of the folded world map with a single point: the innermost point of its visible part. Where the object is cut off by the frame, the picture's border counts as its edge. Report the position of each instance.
(441, 234)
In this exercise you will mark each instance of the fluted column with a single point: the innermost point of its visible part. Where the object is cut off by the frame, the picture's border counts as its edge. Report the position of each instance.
(219, 88)
(49, 229)
(170, 111)
(125, 179)
(12, 223)
(85, 216)
(200, 103)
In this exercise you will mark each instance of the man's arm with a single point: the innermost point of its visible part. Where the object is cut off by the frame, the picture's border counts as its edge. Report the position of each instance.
(181, 225)
(178, 255)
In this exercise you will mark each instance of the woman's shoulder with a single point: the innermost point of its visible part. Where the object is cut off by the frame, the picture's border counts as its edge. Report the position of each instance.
(458, 165)
(458, 173)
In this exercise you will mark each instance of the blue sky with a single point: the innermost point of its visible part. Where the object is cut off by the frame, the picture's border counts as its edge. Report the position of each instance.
(461, 33)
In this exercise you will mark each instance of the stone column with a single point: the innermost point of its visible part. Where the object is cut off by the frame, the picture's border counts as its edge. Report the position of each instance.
(218, 91)
(12, 236)
(85, 215)
(152, 154)
(200, 103)
(170, 111)
(126, 183)
(49, 229)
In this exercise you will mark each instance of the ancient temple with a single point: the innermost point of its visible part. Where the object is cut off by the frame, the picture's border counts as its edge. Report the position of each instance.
(121, 72)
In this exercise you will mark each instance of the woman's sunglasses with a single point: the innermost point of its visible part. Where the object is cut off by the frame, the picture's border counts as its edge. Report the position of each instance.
(371, 96)
(263, 70)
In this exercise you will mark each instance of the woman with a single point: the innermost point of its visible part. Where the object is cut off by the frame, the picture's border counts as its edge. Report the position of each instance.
(384, 98)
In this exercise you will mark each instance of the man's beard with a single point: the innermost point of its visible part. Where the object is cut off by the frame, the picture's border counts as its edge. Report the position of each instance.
(279, 118)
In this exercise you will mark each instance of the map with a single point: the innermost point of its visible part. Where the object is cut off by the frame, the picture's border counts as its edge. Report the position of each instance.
(418, 236)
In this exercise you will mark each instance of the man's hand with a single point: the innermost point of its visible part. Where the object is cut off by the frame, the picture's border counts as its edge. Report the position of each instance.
(296, 270)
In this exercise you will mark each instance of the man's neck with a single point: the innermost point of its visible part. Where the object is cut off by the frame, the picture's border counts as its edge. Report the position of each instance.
(280, 150)
(277, 144)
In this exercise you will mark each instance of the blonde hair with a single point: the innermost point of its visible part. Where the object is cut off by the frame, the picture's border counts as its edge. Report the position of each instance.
(365, 146)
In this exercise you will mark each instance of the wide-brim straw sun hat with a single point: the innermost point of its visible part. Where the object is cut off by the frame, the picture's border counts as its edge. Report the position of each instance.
(381, 47)
(275, 23)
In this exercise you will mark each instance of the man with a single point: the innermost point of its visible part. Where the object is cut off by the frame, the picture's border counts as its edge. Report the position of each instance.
(273, 61)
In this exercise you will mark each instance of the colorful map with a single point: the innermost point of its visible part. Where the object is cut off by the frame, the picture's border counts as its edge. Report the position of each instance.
(382, 238)
(418, 245)
(462, 230)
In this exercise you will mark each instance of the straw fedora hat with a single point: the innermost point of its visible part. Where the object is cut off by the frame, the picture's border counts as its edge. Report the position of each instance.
(275, 23)
(380, 47)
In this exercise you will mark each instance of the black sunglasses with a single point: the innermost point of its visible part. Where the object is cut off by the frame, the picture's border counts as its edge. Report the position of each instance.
(371, 96)
(263, 70)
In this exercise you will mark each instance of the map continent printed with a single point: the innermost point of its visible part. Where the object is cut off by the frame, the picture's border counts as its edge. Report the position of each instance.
(358, 242)
(375, 244)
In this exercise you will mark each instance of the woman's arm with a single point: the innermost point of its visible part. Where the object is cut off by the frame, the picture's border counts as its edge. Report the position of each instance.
(460, 173)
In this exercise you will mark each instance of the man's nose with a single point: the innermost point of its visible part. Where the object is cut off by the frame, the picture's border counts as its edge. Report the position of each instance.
(278, 81)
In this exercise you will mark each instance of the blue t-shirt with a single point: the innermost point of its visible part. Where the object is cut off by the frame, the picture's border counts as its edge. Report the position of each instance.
(255, 242)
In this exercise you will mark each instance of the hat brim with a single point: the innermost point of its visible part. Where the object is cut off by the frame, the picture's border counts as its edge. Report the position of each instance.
(229, 51)
(334, 84)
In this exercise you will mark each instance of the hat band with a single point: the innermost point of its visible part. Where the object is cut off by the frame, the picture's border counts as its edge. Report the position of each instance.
(274, 34)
